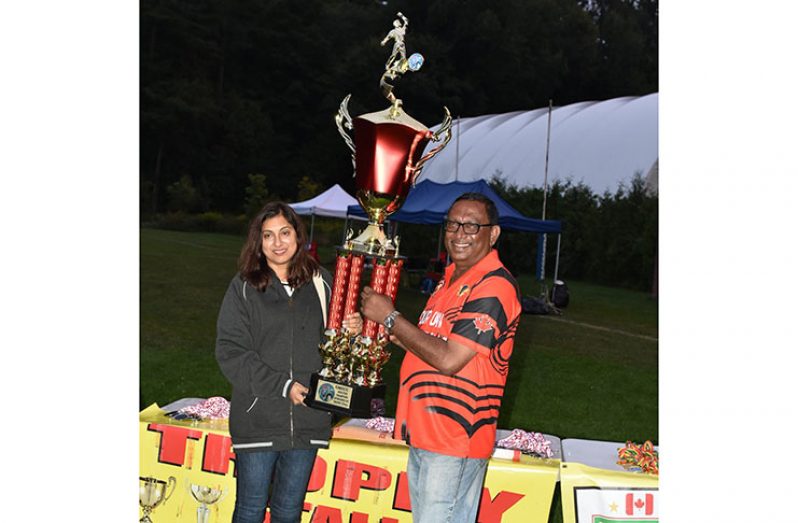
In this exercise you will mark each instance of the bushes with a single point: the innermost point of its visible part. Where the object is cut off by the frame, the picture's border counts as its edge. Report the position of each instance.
(204, 222)
(609, 239)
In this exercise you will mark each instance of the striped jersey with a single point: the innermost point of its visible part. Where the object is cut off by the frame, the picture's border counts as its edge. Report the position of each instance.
(457, 415)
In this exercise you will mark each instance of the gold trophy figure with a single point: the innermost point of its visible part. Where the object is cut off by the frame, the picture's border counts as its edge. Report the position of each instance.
(152, 492)
(387, 155)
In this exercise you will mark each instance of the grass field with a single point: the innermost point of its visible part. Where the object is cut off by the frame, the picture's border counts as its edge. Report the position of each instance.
(590, 373)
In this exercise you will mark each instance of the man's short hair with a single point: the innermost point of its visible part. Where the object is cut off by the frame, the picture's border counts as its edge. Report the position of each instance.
(490, 206)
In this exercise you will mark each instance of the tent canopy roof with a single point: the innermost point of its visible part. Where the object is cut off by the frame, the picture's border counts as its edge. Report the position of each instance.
(332, 203)
(598, 143)
(428, 202)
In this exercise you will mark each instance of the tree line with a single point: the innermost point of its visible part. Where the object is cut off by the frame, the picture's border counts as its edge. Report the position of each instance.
(239, 95)
(608, 238)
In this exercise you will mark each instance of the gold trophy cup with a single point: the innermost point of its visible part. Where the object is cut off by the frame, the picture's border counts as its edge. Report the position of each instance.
(152, 492)
(387, 154)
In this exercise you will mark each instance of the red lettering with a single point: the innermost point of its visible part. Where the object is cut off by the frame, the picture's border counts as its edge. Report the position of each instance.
(324, 514)
(490, 511)
(360, 517)
(172, 447)
(317, 475)
(401, 498)
(218, 453)
(349, 478)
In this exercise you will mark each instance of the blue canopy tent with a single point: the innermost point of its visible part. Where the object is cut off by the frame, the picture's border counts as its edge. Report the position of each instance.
(428, 202)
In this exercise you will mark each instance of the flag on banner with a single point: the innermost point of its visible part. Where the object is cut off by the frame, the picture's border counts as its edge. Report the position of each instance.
(635, 505)
(615, 505)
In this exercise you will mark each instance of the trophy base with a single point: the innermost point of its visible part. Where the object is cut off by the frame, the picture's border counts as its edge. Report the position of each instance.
(347, 399)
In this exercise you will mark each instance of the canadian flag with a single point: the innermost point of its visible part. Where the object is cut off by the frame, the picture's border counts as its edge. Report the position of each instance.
(636, 505)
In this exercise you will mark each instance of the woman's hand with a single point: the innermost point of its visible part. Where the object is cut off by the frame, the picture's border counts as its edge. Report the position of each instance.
(297, 393)
(353, 323)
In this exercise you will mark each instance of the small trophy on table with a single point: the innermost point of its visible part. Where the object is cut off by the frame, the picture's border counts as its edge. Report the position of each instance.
(205, 496)
(387, 156)
(152, 492)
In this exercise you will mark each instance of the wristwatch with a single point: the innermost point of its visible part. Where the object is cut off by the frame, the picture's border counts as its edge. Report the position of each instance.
(390, 320)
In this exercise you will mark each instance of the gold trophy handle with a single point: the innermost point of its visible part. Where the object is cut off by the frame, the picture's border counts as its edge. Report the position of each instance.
(446, 130)
(173, 482)
(344, 123)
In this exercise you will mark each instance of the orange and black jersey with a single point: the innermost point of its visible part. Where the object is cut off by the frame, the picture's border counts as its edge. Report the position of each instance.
(457, 415)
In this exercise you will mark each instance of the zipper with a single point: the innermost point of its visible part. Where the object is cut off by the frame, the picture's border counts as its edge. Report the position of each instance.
(291, 366)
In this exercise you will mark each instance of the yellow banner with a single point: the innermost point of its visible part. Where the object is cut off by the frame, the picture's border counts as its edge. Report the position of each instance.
(354, 481)
(594, 495)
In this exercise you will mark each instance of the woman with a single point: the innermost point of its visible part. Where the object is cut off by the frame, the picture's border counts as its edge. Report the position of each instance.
(269, 329)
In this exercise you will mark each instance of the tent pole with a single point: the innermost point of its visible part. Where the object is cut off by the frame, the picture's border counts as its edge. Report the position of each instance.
(346, 226)
(312, 222)
(557, 259)
(541, 261)
(545, 195)
(546, 165)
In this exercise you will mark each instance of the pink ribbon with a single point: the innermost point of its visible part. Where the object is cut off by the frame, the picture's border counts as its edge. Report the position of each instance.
(212, 408)
(527, 442)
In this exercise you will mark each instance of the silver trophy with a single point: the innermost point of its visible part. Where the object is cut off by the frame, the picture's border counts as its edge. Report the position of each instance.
(205, 496)
(152, 492)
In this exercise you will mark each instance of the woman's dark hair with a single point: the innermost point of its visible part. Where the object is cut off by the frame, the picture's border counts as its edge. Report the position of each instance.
(252, 262)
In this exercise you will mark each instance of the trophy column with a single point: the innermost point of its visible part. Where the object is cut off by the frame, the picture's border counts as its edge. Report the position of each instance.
(351, 377)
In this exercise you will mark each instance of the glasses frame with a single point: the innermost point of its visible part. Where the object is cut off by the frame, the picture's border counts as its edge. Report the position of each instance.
(463, 225)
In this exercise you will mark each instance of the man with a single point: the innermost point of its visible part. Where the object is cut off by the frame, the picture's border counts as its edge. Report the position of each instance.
(455, 367)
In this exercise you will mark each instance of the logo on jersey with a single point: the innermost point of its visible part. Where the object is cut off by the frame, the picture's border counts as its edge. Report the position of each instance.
(484, 323)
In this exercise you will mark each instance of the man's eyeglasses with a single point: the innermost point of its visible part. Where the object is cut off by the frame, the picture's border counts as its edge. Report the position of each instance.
(468, 228)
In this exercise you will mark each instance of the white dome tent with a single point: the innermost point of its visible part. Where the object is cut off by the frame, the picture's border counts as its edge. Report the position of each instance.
(598, 143)
(331, 203)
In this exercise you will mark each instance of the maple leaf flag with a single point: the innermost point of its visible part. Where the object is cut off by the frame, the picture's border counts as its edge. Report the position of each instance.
(636, 505)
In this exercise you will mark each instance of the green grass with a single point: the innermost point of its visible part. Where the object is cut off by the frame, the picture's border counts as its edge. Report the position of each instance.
(566, 377)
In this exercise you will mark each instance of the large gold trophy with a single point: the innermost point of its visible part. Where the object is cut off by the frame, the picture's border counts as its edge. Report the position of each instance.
(387, 156)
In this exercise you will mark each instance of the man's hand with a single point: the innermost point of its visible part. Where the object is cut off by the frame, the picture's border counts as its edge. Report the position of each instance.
(375, 306)
(297, 393)
(447, 357)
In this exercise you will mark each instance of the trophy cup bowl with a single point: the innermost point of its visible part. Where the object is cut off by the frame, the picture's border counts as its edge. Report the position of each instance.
(388, 160)
(152, 492)
(205, 496)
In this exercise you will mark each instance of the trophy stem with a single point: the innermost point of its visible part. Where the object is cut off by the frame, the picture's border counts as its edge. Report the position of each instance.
(203, 513)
